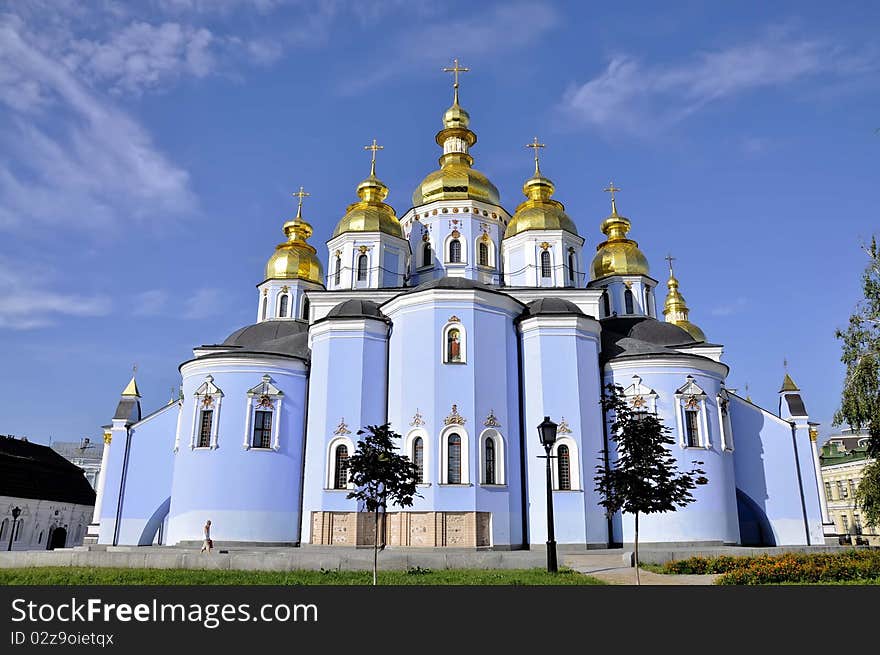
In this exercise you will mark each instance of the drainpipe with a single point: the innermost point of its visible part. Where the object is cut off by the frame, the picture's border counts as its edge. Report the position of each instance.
(522, 439)
(122, 485)
(302, 473)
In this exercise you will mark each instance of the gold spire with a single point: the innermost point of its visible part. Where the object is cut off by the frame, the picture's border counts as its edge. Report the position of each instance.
(539, 211)
(456, 179)
(788, 384)
(131, 389)
(617, 255)
(295, 258)
(370, 213)
(676, 310)
(534, 145)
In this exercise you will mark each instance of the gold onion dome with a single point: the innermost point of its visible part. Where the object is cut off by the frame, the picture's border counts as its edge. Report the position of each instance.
(539, 211)
(370, 213)
(676, 310)
(456, 179)
(295, 258)
(617, 255)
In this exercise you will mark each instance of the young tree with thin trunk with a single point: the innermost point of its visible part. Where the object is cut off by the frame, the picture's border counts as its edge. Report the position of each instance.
(381, 476)
(644, 477)
(860, 399)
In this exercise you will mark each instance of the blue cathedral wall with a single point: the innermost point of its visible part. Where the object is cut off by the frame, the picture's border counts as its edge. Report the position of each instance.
(250, 495)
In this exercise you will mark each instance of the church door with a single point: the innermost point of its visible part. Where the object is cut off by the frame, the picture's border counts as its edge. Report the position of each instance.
(57, 539)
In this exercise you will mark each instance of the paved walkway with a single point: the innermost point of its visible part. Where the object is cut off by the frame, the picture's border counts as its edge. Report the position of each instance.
(610, 567)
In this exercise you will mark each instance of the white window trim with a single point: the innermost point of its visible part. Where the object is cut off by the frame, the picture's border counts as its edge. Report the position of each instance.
(264, 388)
(464, 250)
(357, 283)
(408, 442)
(637, 389)
(330, 473)
(500, 454)
(278, 300)
(420, 256)
(705, 442)
(490, 245)
(208, 388)
(462, 346)
(465, 455)
(574, 463)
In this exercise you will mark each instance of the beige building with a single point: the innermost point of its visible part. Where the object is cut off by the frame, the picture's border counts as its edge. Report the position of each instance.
(843, 458)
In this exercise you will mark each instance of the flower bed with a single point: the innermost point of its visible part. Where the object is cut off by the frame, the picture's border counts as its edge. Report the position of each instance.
(787, 568)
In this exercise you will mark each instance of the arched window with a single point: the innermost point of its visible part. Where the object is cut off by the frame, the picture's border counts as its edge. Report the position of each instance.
(3, 527)
(563, 461)
(265, 307)
(362, 268)
(305, 308)
(455, 251)
(546, 271)
(692, 426)
(282, 305)
(571, 267)
(453, 459)
(453, 346)
(628, 301)
(427, 256)
(490, 460)
(648, 305)
(606, 303)
(483, 250)
(340, 467)
(418, 458)
(338, 271)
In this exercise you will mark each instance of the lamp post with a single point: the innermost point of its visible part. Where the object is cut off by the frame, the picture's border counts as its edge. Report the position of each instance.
(16, 512)
(547, 433)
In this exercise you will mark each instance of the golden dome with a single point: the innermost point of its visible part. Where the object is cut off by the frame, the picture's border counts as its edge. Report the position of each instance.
(539, 211)
(370, 213)
(617, 255)
(455, 180)
(295, 259)
(676, 310)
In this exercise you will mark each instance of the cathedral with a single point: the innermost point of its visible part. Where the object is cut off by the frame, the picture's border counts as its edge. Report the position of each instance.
(462, 325)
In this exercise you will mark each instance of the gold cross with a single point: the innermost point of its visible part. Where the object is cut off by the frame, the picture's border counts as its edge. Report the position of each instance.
(612, 190)
(302, 194)
(374, 147)
(455, 70)
(535, 147)
(670, 259)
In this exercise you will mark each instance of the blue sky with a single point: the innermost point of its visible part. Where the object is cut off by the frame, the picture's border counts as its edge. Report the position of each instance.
(148, 151)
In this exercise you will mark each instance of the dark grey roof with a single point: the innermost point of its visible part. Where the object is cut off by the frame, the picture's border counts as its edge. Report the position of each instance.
(356, 308)
(31, 470)
(128, 409)
(642, 336)
(85, 449)
(274, 337)
(550, 306)
(796, 405)
(450, 283)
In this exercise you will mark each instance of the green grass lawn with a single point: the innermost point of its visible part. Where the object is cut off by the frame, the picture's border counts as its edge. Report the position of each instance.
(62, 575)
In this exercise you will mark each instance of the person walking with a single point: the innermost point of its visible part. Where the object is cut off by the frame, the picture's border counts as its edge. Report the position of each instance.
(208, 544)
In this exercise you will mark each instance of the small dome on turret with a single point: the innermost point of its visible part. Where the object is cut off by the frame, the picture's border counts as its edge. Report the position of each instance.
(539, 211)
(295, 258)
(370, 213)
(617, 255)
(676, 311)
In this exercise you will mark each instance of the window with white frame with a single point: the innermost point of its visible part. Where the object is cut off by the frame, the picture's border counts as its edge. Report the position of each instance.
(724, 424)
(415, 447)
(265, 311)
(454, 460)
(455, 251)
(492, 457)
(454, 343)
(571, 265)
(628, 302)
(283, 304)
(206, 415)
(362, 267)
(263, 416)
(546, 267)
(339, 450)
(483, 251)
(566, 465)
(693, 428)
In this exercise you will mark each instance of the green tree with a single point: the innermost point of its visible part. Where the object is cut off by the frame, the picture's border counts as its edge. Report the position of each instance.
(868, 494)
(381, 476)
(644, 478)
(860, 399)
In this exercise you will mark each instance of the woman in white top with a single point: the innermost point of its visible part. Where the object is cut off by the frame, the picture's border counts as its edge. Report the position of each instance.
(207, 545)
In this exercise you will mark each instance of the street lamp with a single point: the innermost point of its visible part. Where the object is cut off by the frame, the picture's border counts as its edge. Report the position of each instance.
(547, 433)
(16, 512)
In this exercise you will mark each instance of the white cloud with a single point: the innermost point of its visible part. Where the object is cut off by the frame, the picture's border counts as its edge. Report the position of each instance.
(204, 303)
(28, 301)
(142, 56)
(640, 98)
(70, 157)
(150, 303)
(729, 308)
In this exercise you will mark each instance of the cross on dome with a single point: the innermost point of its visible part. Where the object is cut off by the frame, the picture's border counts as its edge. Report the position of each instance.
(612, 190)
(455, 70)
(670, 259)
(374, 147)
(535, 146)
(302, 193)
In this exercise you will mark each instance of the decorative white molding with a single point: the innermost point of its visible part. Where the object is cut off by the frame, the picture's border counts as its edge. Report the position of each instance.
(687, 397)
(208, 396)
(265, 396)
(641, 397)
